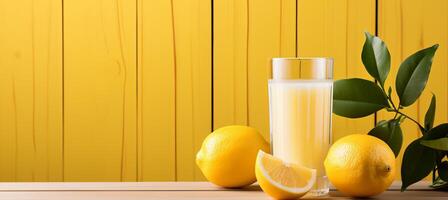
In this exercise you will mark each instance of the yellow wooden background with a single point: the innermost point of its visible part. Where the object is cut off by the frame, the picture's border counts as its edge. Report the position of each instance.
(125, 90)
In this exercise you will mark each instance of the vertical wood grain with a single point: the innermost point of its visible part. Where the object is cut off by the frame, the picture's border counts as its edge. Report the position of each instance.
(31, 89)
(192, 37)
(136, 76)
(230, 63)
(100, 90)
(247, 34)
(271, 26)
(408, 26)
(156, 91)
(335, 29)
(434, 26)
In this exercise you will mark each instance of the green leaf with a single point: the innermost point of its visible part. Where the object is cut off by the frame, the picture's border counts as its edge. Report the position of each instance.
(442, 169)
(381, 122)
(390, 132)
(418, 162)
(356, 97)
(376, 58)
(413, 75)
(429, 116)
(439, 184)
(437, 144)
(401, 118)
(437, 132)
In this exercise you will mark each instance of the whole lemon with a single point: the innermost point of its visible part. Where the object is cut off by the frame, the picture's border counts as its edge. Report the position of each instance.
(360, 165)
(227, 156)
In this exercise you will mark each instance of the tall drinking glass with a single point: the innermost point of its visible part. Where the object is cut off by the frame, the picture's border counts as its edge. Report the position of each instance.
(300, 107)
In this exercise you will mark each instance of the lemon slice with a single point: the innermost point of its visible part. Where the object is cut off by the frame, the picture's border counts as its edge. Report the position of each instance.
(283, 180)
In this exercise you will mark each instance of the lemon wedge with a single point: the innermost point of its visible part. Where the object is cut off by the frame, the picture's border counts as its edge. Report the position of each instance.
(283, 180)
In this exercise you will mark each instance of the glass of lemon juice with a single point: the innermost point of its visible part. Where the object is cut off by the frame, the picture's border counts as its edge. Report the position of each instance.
(300, 107)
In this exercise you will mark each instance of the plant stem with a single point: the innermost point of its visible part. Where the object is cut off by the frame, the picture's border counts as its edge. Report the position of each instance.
(415, 121)
(388, 98)
(393, 105)
(397, 110)
(395, 116)
(434, 174)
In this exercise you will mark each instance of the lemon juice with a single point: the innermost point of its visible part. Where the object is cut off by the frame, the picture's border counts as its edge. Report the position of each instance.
(300, 119)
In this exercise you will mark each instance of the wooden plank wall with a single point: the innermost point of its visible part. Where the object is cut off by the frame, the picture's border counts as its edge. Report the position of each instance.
(99, 90)
(31, 91)
(126, 90)
(247, 34)
(192, 24)
(335, 29)
(408, 26)
(156, 75)
(325, 28)
(174, 87)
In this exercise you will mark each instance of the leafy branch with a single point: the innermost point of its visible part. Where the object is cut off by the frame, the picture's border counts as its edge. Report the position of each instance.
(355, 98)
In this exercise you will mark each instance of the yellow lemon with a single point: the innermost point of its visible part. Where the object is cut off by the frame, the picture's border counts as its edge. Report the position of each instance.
(227, 156)
(360, 165)
(283, 180)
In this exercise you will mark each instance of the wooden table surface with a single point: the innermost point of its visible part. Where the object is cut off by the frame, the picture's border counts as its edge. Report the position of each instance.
(174, 190)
